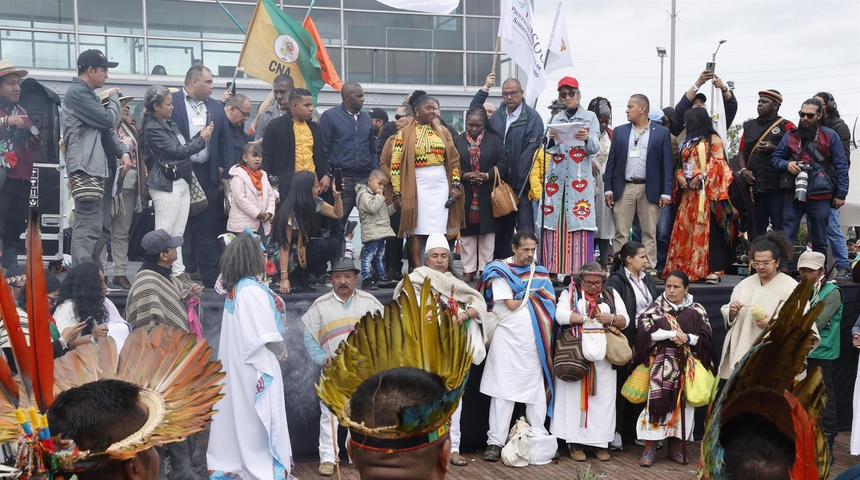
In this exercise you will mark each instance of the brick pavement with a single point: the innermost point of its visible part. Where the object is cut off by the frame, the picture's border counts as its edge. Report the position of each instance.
(623, 466)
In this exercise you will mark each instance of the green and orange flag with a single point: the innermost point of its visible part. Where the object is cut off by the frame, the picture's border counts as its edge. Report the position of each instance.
(276, 44)
(329, 74)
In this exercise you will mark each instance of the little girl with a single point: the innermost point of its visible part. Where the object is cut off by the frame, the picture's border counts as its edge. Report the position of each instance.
(253, 204)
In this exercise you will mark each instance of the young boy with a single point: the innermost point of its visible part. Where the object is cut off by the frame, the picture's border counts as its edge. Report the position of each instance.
(375, 228)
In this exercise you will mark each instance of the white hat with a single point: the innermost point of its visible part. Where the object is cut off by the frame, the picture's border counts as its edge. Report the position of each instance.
(811, 260)
(436, 240)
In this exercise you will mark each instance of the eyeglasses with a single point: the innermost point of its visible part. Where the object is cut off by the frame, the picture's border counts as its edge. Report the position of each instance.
(592, 284)
(568, 94)
(761, 263)
(245, 115)
(53, 298)
(807, 115)
(512, 94)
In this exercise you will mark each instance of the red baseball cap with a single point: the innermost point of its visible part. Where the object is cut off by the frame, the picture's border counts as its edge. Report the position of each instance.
(568, 82)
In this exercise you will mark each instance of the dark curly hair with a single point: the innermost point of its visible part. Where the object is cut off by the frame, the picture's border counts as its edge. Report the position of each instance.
(776, 243)
(83, 286)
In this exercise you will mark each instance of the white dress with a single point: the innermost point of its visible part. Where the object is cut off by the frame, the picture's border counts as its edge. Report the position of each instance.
(568, 420)
(513, 370)
(249, 438)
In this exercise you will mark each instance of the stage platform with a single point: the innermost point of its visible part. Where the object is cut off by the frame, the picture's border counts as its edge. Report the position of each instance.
(300, 373)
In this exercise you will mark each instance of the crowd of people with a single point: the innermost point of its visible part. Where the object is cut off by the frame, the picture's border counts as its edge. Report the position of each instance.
(656, 195)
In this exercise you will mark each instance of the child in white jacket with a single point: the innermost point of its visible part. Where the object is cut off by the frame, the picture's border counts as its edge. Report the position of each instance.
(375, 228)
(253, 204)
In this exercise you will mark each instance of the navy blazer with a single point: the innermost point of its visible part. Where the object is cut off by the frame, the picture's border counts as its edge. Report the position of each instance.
(220, 145)
(658, 162)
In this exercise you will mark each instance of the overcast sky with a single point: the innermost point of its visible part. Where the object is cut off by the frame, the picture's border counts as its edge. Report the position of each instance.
(796, 47)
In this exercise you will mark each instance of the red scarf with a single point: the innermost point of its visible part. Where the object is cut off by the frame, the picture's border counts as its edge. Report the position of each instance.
(475, 162)
(256, 177)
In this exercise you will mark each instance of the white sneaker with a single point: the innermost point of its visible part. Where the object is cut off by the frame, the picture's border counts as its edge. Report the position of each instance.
(615, 445)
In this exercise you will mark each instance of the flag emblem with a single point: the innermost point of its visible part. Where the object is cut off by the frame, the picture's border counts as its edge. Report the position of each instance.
(286, 48)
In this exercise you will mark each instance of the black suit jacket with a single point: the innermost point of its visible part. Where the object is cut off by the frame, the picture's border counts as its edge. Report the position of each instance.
(658, 162)
(279, 151)
(220, 145)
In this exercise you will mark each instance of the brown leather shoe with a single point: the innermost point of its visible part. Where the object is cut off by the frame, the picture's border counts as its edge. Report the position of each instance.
(576, 453)
(602, 454)
(121, 281)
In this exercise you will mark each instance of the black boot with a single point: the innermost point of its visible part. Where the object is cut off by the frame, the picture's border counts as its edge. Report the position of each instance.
(831, 439)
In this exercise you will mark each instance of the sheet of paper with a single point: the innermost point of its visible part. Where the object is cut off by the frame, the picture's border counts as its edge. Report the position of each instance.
(566, 132)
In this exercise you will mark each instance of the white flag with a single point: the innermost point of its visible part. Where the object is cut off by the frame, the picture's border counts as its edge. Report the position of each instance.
(439, 7)
(719, 117)
(521, 44)
(559, 55)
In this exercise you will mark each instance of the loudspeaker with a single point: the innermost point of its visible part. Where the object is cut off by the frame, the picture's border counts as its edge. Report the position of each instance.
(43, 106)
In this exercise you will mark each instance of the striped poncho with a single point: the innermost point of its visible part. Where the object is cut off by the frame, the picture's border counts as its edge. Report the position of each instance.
(155, 299)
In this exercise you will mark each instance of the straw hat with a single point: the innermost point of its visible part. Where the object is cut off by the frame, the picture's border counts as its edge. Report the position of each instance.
(6, 68)
(122, 100)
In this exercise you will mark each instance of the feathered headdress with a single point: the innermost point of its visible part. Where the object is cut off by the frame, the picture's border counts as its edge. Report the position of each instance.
(179, 380)
(410, 333)
(763, 382)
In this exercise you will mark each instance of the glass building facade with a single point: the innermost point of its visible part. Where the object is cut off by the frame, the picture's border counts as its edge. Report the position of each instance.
(368, 42)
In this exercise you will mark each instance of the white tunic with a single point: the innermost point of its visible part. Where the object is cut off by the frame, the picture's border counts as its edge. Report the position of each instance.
(512, 370)
(569, 420)
(249, 435)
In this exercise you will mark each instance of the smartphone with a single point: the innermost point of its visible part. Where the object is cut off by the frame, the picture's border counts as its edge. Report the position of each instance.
(710, 66)
(232, 87)
(208, 117)
(338, 179)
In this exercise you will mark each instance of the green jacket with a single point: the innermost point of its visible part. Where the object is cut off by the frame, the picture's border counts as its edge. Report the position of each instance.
(828, 322)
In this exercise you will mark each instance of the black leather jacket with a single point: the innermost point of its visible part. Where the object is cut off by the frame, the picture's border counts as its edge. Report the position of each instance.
(164, 153)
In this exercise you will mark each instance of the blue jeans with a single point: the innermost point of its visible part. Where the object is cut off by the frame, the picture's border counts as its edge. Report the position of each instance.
(837, 241)
(373, 252)
(664, 234)
(817, 217)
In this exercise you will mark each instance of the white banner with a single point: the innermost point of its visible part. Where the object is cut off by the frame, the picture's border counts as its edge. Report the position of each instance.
(521, 44)
(439, 7)
(558, 47)
(719, 117)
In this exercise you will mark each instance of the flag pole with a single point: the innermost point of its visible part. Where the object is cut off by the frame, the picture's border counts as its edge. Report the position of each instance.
(496, 54)
(310, 7)
(232, 17)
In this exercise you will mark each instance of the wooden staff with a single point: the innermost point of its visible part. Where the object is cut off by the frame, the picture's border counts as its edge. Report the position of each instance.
(496, 55)
(334, 445)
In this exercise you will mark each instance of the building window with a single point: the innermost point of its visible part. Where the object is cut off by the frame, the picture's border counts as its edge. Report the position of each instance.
(48, 51)
(423, 32)
(57, 14)
(203, 20)
(127, 51)
(404, 67)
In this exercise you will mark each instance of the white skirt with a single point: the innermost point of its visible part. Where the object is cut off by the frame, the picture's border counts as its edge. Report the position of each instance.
(432, 191)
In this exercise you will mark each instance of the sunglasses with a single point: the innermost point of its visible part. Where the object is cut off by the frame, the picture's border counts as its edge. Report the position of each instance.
(568, 95)
(398, 116)
(807, 115)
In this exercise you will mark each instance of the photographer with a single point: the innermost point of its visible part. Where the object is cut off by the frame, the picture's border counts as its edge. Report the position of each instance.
(813, 155)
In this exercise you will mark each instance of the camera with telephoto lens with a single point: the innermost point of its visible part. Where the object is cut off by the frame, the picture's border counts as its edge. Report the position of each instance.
(801, 182)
